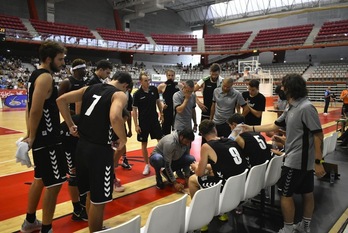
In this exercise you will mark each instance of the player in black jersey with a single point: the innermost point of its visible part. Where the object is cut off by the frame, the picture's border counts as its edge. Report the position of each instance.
(220, 155)
(208, 85)
(103, 71)
(74, 82)
(167, 90)
(125, 164)
(254, 146)
(145, 116)
(256, 102)
(43, 137)
(100, 119)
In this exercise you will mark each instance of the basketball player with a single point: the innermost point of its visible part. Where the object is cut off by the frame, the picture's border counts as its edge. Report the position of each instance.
(43, 126)
(101, 117)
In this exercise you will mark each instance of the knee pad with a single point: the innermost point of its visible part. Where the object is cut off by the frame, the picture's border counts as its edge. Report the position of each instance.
(72, 181)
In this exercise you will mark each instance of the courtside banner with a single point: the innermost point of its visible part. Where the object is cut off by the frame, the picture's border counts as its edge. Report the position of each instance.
(16, 101)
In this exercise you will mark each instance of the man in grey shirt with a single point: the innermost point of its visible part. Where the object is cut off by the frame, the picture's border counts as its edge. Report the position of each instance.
(303, 148)
(225, 100)
(184, 104)
(173, 154)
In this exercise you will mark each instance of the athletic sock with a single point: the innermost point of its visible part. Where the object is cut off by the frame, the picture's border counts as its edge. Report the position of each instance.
(31, 217)
(46, 228)
(288, 226)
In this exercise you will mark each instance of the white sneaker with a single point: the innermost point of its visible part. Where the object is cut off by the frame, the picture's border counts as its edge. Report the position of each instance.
(146, 170)
(50, 231)
(118, 187)
(325, 114)
(28, 227)
(299, 228)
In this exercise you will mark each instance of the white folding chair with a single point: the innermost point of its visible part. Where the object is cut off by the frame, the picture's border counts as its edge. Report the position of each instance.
(202, 207)
(272, 175)
(333, 142)
(255, 180)
(273, 171)
(232, 193)
(326, 145)
(167, 217)
(131, 226)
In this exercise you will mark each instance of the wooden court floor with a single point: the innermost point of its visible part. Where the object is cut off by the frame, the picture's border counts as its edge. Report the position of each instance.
(12, 127)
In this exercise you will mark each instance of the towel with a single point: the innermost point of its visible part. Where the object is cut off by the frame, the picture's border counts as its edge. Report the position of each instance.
(22, 155)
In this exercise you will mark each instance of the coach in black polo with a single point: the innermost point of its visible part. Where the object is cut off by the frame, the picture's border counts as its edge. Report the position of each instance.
(145, 116)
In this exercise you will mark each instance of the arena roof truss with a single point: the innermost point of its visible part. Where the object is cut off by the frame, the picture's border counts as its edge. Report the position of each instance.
(215, 12)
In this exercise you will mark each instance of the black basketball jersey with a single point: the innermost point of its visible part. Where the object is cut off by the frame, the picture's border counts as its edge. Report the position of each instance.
(208, 92)
(75, 84)
(255, 149)
(94, 79)
(230, 161)
(49, 126)
(130, 102)
(146, 103)
(171, 88)
(94, 125)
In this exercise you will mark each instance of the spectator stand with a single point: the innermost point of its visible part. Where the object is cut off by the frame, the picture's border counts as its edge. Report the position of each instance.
(175, 43)
(222, 42)
(281, 37)
(65, 33)
(333, 32)
(124, 40)
(14, 27)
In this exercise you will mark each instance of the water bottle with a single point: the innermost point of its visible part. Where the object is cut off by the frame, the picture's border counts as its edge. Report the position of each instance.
(332, 177)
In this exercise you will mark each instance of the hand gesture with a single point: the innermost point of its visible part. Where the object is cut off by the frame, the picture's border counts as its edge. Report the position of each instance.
(29, 141)
(138, 129)
(247, 128)
(319, 170)
(187, 93)
(73, 131)
(179, 187)
(202, 106)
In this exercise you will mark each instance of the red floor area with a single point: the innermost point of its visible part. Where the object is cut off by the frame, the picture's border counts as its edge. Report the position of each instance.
(16, 187)
(14, 190)
(5, 131)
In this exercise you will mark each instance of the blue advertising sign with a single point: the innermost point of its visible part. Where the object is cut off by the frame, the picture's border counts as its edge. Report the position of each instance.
(16, 101)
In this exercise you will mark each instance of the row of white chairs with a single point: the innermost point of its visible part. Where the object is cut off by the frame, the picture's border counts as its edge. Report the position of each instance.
(176, 217)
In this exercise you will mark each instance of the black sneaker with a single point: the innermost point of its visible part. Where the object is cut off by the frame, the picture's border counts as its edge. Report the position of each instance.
(180, 174)
(159, 185)
(125, 164)
(82, 216)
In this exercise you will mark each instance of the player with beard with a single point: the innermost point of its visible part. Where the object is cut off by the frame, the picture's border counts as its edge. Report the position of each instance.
(208, 85)
(167, 90)
(43, 137)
